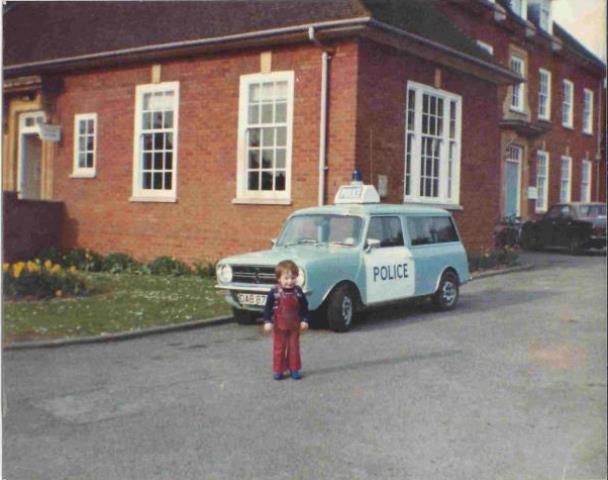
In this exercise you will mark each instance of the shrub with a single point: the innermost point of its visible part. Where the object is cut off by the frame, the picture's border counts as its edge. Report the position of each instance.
(489, 259)
(41, 280)
(120, 262)
(83, 259)
(52, 254)
(204, 269)
(168, 266)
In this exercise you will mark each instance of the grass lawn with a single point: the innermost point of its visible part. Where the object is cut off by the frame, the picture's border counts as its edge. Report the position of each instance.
(119, 303)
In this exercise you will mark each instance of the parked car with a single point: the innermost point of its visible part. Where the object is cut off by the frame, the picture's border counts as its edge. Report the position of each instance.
(575, 226)
(352, 255)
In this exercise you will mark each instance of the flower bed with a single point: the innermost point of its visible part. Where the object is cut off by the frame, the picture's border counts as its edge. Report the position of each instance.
(36, 279)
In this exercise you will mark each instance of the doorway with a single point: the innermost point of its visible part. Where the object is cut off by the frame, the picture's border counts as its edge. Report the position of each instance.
(30, 156)
(512, 180)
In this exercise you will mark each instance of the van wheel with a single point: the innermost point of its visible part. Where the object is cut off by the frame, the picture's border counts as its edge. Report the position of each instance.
(341, 309)
(446, 296)
(244, 317)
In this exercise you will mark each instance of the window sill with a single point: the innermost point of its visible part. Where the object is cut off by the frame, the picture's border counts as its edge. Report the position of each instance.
(262, 201)
(589, 134)
(569, 127)
(544, 120)
(517, 110)
(147, 199)
(83, 175)
(446, 206)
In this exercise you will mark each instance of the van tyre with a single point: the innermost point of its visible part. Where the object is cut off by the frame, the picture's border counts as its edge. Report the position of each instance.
(244, 317)
(446, 296)
(341, 309)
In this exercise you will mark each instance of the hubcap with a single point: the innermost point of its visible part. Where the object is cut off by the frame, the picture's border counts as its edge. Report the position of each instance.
(347, 310)
(448, 293)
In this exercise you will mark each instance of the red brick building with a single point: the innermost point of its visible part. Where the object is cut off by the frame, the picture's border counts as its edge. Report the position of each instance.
(194, 128)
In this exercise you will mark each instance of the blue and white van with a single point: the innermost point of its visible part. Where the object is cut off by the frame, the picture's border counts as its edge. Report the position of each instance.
(354, 254)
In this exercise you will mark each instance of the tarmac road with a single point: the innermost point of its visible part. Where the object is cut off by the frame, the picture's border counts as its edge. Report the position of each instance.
(510, 385)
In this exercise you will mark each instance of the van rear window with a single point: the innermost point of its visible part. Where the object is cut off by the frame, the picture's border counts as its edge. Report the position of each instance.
(429, 230)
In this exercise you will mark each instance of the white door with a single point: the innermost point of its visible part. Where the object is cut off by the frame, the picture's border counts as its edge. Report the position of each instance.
(389, 267)
(512, 180)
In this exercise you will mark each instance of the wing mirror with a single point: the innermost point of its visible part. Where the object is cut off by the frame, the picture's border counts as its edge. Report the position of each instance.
(273, 242)
(370, 244)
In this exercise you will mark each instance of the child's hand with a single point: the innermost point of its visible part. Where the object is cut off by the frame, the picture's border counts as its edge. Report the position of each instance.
(303, 326)
(267, 327)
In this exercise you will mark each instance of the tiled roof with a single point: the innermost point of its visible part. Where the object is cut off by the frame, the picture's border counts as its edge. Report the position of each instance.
(42, 31)
(575, 45)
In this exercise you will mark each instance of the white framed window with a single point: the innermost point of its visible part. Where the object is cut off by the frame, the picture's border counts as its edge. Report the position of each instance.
(486, 46)
(265, 138)
(542, 181)
(517, 93)
(588, 111)
(565, 179)
(586, 181)
(545, 21)
(155, 142)
(544, 94)
(520, 8)
(567, 104)
(85, 145)
(432, 150)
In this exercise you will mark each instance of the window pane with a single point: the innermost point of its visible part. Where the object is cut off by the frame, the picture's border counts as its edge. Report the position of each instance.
(280, 181)
(147, 141)
(254, 137)
(158, 141)
(147, 97)
(280, 112)
(147, 183)
(168, 141)
(280, 158)
(147, 161)
(81, 160)
(90, 126)
(268, 137)
(157, 120)
(267, 158)
(90, 144)
(147, 121)
(254, 159)
(158, 181)
(168, 123)
(254, 114)
(267, 113)
(266, 181)
(158, 161)
(82, 144)
(254, 93)
(267, 91)
(168, 180)
(281, 136)
(90, 160)
(168, 160)
(253, 183)
(280, 91)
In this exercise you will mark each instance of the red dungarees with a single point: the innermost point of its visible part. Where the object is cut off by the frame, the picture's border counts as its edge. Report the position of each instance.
(286, 344)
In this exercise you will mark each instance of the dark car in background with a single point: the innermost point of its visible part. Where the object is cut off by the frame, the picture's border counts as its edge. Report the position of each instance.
(576, 226)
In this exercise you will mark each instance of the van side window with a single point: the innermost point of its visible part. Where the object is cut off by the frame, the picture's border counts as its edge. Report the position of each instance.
(428, 230)
(387, 230)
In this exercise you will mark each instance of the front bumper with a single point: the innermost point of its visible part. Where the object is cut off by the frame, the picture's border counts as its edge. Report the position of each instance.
(596, 241)
(231, 292)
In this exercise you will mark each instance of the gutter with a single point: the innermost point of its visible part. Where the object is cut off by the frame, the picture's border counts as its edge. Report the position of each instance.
(598, 153)
(439, 46)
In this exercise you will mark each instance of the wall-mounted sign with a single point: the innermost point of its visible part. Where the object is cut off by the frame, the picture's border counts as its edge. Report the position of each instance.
(49, 133)
(532, 193)
(382, 185)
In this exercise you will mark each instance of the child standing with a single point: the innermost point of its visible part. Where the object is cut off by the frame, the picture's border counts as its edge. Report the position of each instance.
(286, 314)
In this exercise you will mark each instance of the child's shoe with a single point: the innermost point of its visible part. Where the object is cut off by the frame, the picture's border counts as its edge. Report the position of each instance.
(277, 376)
(296, 375)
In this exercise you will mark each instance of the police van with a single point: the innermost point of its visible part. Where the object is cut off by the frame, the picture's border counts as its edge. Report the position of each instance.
(351, 255)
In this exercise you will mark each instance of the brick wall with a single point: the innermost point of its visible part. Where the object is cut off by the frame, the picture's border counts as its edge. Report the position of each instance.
(203, 223)
(29, 226)
(383, 77)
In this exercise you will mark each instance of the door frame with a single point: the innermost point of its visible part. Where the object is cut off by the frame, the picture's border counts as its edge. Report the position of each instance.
(519, 163)
(26, 128)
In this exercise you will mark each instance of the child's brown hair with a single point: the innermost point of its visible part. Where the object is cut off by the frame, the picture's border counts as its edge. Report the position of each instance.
(286, 266)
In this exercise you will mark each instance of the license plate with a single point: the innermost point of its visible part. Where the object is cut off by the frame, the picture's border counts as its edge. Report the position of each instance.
(251, 299)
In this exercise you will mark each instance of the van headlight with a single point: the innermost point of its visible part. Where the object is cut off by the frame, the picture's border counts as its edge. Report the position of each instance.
(301, 280)
(224, 273)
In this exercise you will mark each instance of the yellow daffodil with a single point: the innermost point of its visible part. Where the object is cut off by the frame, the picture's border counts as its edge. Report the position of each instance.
(58, 293)
(56, 268)
(72, 269)
(17, 269)
(48, 264)
(32, 267)
(5, 267)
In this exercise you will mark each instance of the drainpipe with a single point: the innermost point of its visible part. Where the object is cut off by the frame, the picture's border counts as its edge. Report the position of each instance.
(598, 128)
(325, 56)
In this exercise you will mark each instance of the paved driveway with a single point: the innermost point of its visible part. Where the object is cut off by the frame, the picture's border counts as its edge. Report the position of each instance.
(510, 385)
